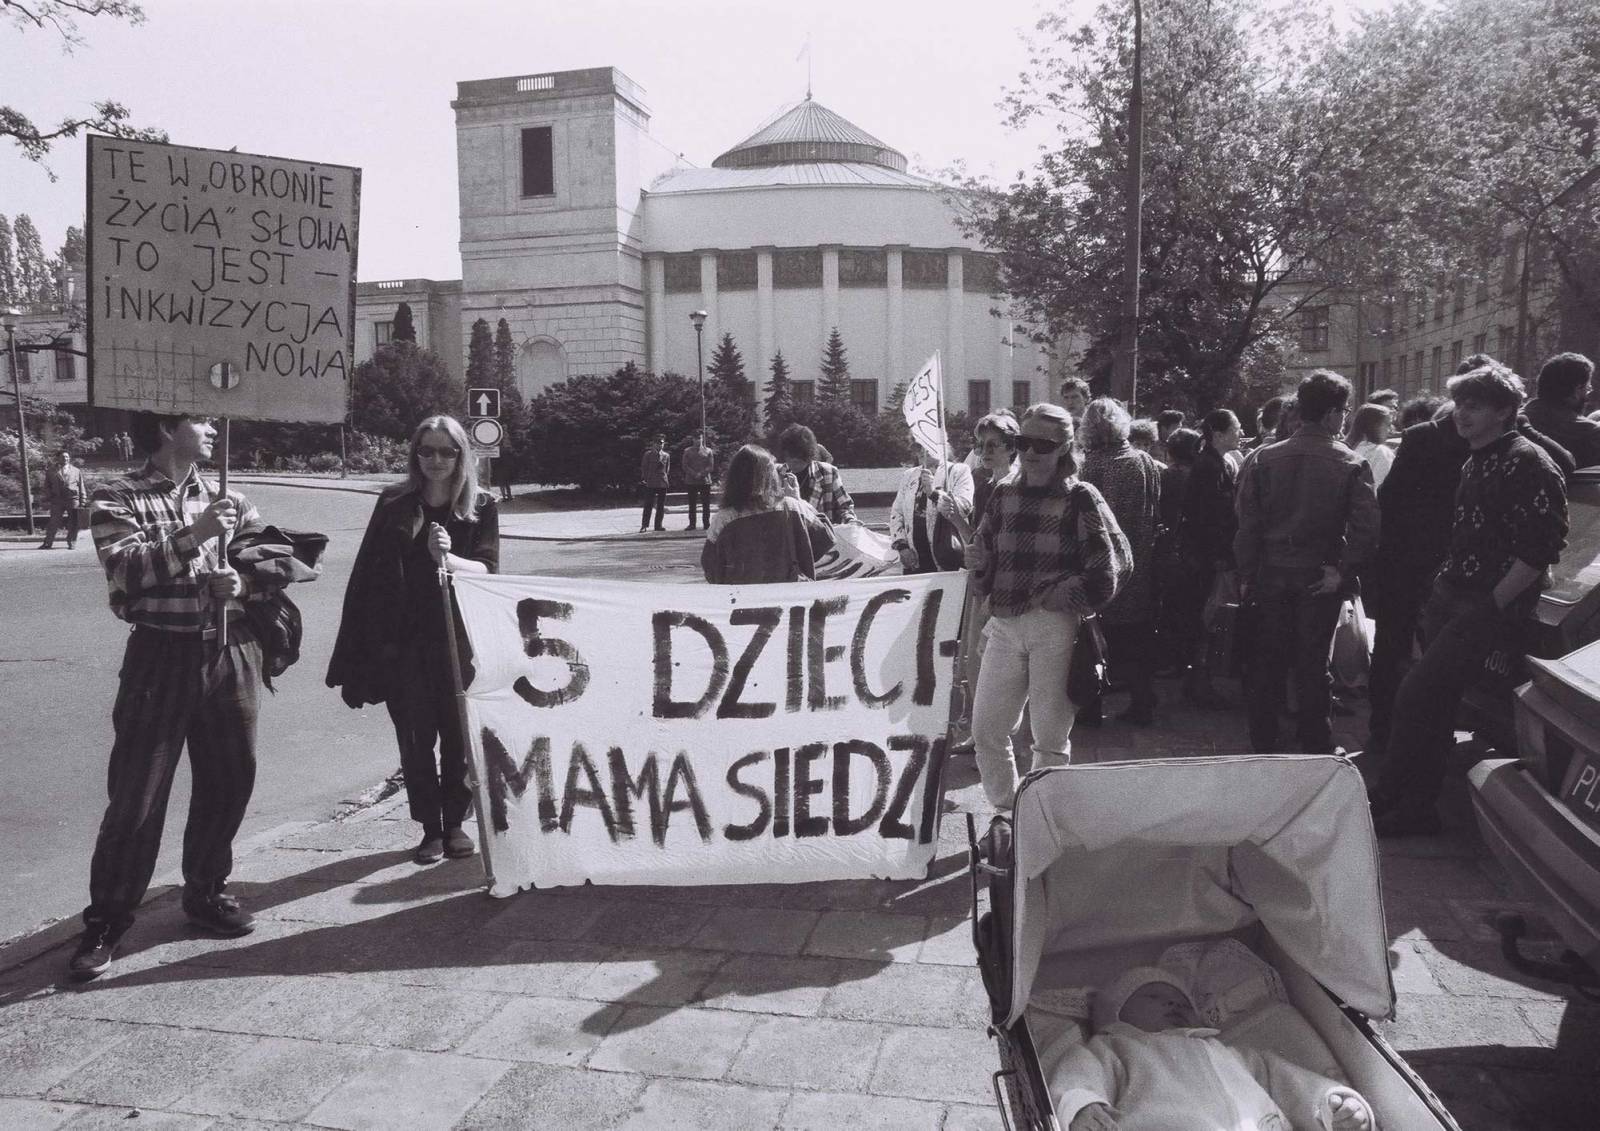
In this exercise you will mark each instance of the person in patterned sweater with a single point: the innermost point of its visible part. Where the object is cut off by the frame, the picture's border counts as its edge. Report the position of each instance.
(817, 480)
(1047, 552)
(1510, 527)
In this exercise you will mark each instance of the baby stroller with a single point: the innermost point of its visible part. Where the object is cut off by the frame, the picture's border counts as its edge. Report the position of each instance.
(1269, 859)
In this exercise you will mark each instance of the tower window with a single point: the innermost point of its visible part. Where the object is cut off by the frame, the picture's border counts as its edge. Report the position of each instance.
(538, 162)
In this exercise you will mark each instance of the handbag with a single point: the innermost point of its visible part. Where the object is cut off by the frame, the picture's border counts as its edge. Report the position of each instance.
(949, 550)
(1086, 673)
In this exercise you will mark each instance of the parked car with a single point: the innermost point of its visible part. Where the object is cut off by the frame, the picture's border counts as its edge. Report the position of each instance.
(1540, 811)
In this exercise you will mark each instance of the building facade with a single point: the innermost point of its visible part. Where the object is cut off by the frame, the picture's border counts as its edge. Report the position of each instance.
(595, 254)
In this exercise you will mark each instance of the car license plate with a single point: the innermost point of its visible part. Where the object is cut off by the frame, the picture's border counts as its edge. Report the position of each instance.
(1581, 791)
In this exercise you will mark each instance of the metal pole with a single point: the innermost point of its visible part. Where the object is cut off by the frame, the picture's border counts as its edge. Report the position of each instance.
(22, 429)
(700, 364)
(1125, 384)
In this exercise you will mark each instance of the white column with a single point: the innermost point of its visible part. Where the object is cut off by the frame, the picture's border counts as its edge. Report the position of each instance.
(708, 301)
(830, 291)
(955, 353)
(766, 323)
(896, 320)
(655, 312)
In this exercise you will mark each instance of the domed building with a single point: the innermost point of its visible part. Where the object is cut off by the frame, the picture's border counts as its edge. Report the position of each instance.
(596, 259)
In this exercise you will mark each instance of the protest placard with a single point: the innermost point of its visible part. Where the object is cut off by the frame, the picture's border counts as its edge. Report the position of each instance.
(629, 733)
(220, 283)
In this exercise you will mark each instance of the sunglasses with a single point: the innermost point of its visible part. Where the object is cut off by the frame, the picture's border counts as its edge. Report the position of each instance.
(424, 451)
(1038, 445)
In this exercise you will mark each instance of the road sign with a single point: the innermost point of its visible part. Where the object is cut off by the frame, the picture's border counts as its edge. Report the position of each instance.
(483, 404)
(486, 434)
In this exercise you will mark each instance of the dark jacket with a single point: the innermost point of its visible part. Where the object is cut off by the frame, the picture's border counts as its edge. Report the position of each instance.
(376, 622)
(761, 548)
(1563, 424)
(1306, 502)
(269, 559)
(1417, 502)
(1207, 522)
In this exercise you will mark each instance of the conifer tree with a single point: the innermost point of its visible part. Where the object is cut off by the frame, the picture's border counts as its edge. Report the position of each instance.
(505, 357)
(835, 383)
(9, 292)
(405, 329)
(779, 403)
(480, 356)
(727, 366)
(33, 271)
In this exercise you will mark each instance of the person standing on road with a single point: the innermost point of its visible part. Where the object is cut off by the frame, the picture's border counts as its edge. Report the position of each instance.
(698, 463)
(1510, 528)
(914, 530)
(1206, 527)
(1308, 518)
(156, 532)
(64, 493)
(392, 646)
(817, 480)
(653, 470)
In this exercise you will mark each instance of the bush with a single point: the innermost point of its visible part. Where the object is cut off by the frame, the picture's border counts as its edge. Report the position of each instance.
(854, 438)
(368, 453)
(323, 461)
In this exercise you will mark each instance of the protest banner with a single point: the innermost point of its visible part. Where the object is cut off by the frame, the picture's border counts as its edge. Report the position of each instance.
(633, 733)
(220, 283)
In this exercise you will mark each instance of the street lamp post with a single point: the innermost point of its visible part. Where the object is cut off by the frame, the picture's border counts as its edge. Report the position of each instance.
(699, 319)
(8, 319)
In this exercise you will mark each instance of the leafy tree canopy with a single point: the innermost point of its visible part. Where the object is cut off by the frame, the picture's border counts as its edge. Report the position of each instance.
(399, 386)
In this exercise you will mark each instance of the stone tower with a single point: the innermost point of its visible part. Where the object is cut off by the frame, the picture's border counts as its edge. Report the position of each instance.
(550, 177)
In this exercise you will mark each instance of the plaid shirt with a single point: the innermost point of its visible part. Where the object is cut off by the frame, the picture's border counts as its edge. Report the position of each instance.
(143, 528)
(827, 494)
(1035, 538)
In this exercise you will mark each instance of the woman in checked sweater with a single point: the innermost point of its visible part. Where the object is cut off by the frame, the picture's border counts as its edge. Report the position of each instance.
(1047, 552)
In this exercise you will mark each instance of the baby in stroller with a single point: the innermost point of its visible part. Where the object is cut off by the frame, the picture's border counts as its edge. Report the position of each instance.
(1151, 1067)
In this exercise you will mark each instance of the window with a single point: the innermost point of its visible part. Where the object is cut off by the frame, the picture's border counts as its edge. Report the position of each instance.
(1482, 295)
(1021, 395)
(1505, 340)
(1455, 354)
(1510, 265)
(1459, 300)
(1438, 363)
(863, 267)
(538, 162)
(924, 268)
(1405, 310)
(1368, 377)
(1421, 305)
(682, 274)
(1402, 374)
(1416, 364)
(382, 333)
(1480, 342)
(802, 392)
(977, 399)
(736, 270)
(797, 267)
(980, 274)
(66, 367)
(864, 395)
(1314, 328)
(1388, 371)
(1438, 305)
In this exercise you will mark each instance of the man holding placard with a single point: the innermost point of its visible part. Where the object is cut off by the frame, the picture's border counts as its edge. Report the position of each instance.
(159, 533)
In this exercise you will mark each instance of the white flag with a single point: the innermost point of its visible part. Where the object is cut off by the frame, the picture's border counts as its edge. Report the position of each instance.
(923, 409)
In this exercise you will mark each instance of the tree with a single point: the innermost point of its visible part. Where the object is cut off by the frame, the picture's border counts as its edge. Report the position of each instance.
(106, 117)
(480, 356)
(405, 329)
(505, 357)
(779, 403)
(727, 366)
(34, 283)
(835, 383)
(854, 438)
(9, 291)
(1243, 210)
(398, 387)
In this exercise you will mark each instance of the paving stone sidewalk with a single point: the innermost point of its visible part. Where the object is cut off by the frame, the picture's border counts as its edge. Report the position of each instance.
(376, 994)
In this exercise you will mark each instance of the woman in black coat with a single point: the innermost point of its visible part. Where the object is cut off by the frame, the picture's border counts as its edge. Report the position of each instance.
(392, 647)
(1205, 544)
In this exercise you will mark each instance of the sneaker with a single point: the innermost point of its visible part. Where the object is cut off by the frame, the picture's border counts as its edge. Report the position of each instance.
(457, 844)
(430, 850)
(218, 914)
(97, 946)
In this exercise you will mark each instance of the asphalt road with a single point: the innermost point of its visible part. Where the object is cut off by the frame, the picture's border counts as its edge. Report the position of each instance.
(59, 654)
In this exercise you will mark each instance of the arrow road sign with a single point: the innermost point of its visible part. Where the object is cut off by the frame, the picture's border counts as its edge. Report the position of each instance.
(483, 403)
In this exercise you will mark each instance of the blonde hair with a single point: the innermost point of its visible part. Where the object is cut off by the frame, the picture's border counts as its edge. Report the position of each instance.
(1067, 461)
(464, 494)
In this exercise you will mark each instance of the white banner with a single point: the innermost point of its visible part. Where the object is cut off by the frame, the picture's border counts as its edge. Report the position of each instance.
(923, 409)
(635, 733)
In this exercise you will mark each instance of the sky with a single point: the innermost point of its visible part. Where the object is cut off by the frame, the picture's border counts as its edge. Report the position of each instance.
(369, 84)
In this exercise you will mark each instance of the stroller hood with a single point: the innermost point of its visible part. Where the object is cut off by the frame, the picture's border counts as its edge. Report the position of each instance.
(1125, 853)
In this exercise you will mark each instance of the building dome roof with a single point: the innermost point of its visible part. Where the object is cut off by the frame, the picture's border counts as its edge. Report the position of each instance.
(810, 132)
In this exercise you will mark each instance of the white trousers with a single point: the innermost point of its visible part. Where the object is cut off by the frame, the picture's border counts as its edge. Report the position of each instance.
(1025, 662)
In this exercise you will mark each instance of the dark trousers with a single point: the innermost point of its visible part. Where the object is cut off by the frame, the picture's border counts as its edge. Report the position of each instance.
(701, 491)
(423, 710)
(1293, 633)
(1132, 649)
(1184, 610)
(1459, 630)
(62, 513)
(654, 497)
(1391, 655)
(176, 688)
